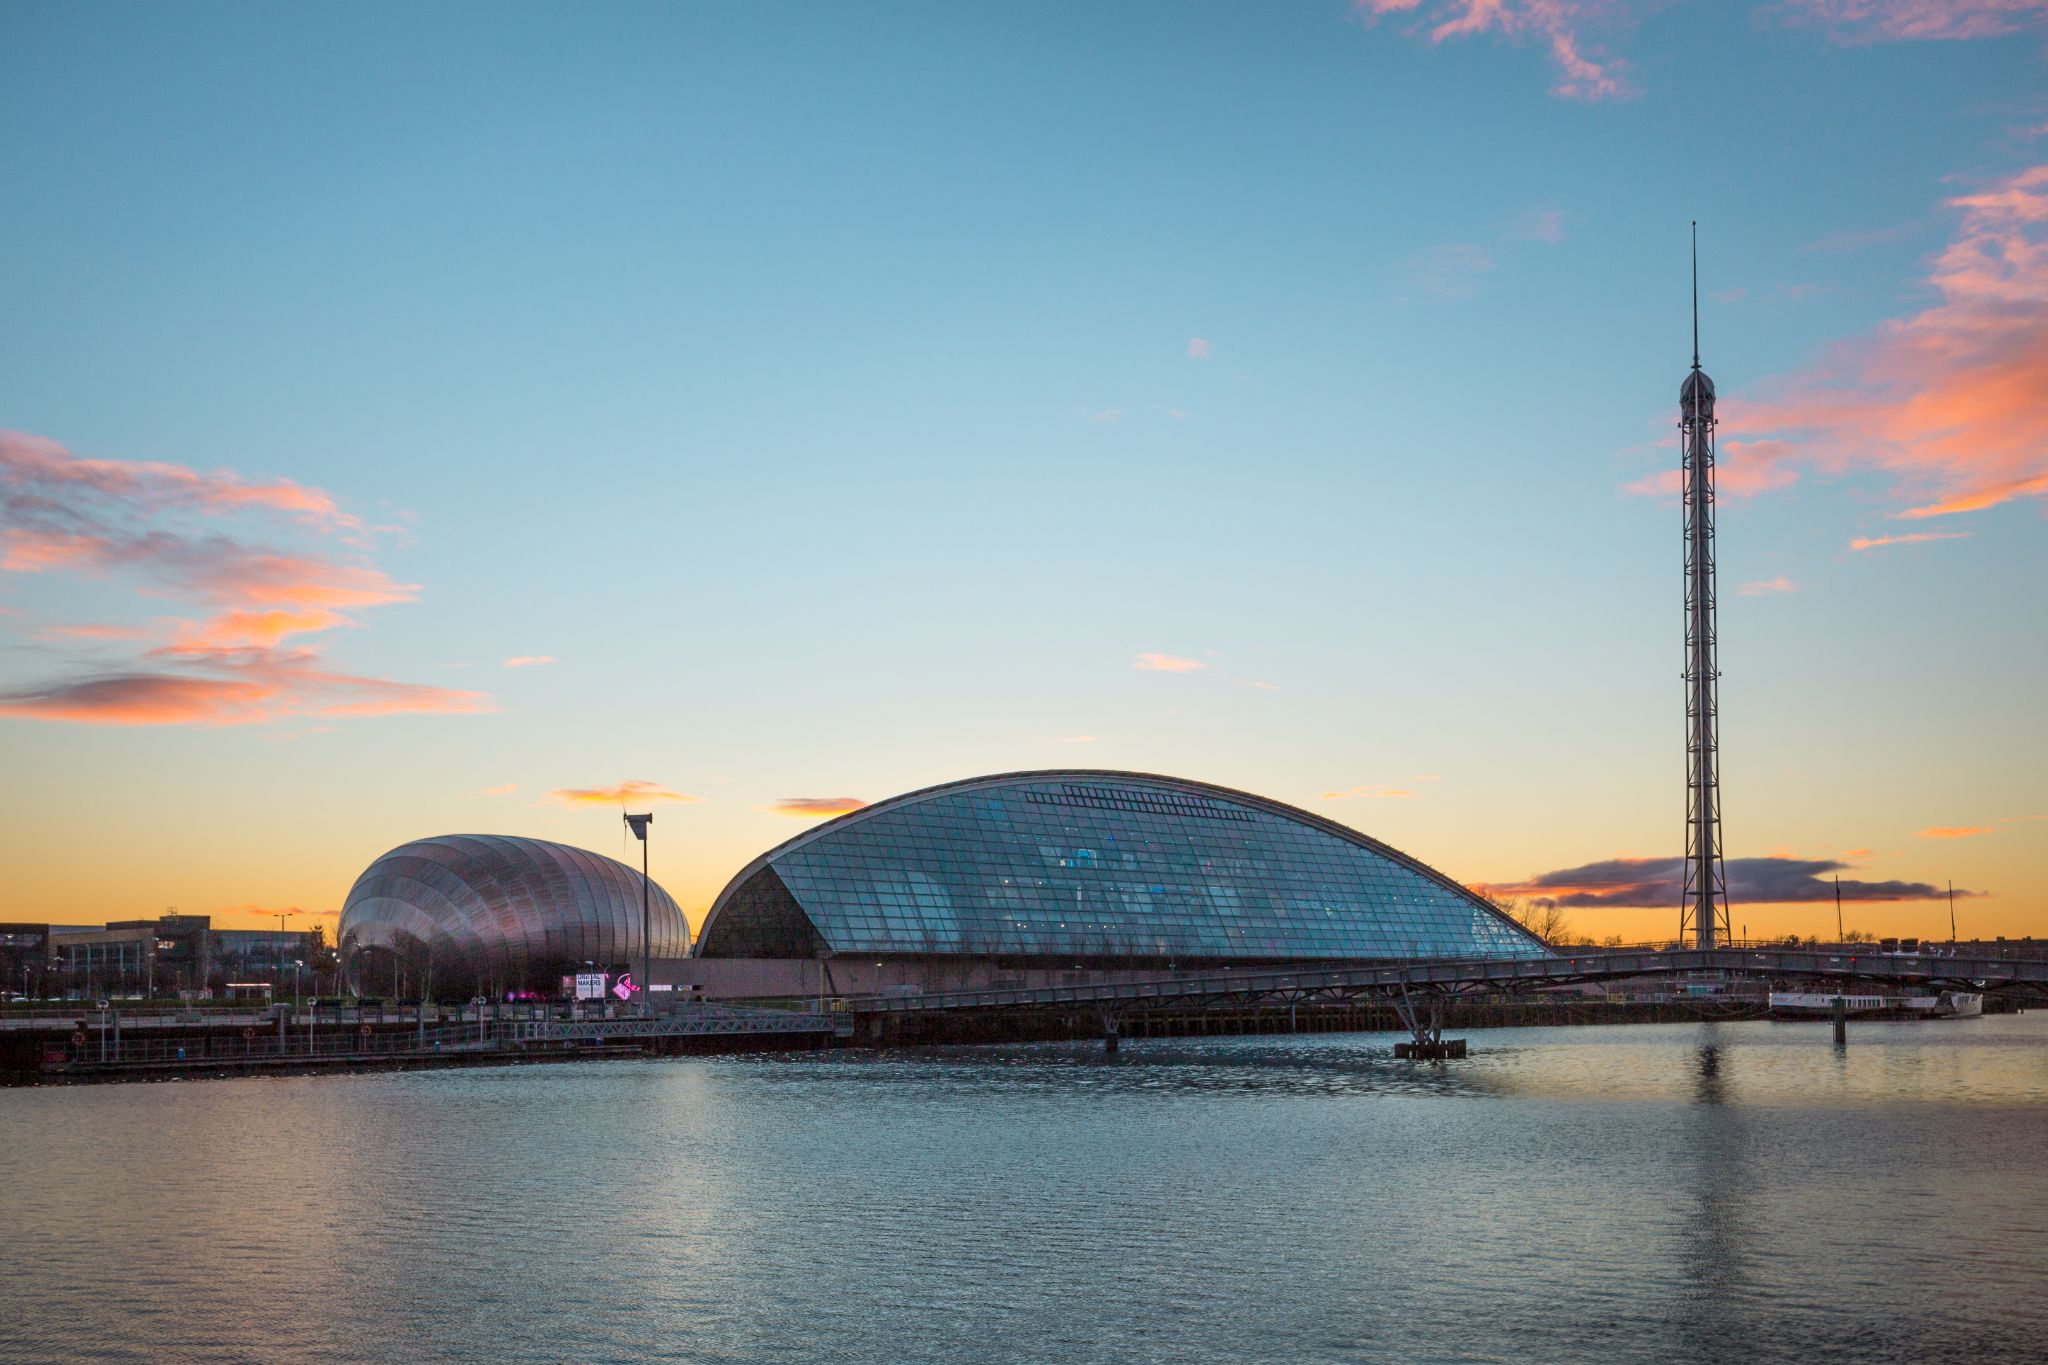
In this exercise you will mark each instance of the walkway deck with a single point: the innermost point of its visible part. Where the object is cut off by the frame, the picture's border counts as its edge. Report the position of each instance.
(1454, 975)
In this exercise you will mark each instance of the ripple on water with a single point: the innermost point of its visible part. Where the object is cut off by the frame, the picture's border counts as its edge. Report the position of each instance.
(1673, 1191)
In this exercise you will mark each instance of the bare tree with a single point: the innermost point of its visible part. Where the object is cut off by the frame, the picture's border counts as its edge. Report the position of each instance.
(1544, 918)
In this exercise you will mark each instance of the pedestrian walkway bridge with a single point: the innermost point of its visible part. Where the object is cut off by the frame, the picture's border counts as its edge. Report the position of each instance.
(1452, 976)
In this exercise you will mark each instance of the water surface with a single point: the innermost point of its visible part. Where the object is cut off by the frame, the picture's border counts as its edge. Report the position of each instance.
(1666, 1192)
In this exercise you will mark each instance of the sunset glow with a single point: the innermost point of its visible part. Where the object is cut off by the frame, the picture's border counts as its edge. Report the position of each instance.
(451, 412)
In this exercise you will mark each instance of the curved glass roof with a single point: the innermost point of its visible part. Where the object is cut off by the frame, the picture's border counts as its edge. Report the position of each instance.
(1101, 864)
(490, 910)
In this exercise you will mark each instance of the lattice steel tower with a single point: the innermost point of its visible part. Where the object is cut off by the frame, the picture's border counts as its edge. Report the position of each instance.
(1703, 913)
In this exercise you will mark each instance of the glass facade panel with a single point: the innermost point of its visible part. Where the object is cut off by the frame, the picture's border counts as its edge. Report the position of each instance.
(1102, 866)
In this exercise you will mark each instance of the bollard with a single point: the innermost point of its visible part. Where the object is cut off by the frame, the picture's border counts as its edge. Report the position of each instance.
(1109, 1033)
(1841, 1022)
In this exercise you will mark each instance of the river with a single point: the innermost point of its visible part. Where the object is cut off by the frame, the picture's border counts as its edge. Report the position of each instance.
(1711, 1192)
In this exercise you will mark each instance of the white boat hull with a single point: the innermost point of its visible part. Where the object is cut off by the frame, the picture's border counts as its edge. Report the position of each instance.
(1821, 1005)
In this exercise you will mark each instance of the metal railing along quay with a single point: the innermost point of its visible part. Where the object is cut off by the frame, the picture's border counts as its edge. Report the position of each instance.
(107, 1051)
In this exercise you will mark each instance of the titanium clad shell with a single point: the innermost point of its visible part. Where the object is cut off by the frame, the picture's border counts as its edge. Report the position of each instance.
(490, 913)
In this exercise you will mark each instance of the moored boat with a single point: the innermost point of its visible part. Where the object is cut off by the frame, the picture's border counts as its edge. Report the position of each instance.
(1867, 1005)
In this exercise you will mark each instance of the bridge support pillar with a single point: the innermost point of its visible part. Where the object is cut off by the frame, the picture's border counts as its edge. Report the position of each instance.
(1429, 1044)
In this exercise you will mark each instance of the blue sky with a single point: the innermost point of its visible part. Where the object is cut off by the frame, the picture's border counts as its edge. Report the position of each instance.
(844, 397)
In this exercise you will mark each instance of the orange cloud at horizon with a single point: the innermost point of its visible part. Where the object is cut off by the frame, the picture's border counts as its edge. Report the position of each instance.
(1353, 793)
(632, 789)
(805, 806)
(1957, 831)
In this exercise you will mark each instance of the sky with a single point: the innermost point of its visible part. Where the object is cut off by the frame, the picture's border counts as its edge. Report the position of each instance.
(476, 418)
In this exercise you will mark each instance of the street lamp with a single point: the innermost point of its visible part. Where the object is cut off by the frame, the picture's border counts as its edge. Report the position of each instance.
(277, 954)
(639, 825)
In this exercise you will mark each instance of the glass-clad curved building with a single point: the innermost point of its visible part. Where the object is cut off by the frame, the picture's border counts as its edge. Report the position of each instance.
(1101, 865)
(489, 913)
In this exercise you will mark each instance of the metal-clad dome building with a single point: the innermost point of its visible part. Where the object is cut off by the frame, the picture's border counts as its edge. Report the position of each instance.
(489, 913)
(1107, 866)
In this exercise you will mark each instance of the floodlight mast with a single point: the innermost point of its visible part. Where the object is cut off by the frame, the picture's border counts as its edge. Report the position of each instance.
(639, 824)
(1703, 910)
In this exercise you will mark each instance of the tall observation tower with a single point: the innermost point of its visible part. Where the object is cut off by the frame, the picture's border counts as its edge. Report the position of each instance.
(1703, 913)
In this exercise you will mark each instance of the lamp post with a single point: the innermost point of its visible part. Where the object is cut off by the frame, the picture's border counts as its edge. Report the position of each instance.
(639, 825)
(277, 955)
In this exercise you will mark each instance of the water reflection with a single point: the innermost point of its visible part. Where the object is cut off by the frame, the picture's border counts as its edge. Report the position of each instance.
(1715, 1192)
(1714, 1238)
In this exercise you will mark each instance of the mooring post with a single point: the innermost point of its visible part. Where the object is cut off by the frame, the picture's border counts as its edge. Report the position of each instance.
(1841, 1022)
(1109, 1032)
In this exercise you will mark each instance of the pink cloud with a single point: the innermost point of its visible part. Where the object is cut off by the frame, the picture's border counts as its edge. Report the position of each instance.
(1542, 225)
(180, 534)
(1198, 349)
(1560, 25)
(505, 790)
(229, 686)
(1742, 469)
(1166, 663)
(1916, 538)
(246, 629)
(144, 699)
(34, 551)
(1872, 21)
(529, 660)
(89, 632)
(30, 460)
(1568, 28)
(1945, 403)
(1451, 271)
(1766, 587)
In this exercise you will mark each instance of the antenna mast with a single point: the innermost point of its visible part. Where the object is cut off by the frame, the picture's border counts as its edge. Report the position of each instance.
(1703, 911)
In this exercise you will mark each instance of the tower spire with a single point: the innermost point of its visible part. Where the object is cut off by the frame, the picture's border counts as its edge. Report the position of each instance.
(1695, 295)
